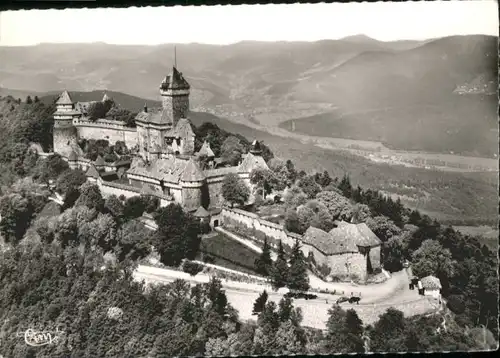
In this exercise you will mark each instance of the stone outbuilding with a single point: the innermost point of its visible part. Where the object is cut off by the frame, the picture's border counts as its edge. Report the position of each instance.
(348, 250)
(431, 286)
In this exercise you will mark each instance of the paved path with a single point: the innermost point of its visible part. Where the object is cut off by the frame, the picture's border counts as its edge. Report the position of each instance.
(315, 312)
(389, 289)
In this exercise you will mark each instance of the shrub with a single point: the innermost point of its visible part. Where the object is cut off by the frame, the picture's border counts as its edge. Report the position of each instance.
(456, 304)
(192, 268)
(208, 258)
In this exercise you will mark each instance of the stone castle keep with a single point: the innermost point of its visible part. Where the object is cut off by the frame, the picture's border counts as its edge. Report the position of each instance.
(165, 164)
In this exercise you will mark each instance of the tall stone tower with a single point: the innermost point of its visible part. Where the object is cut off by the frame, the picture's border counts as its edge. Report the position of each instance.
(65, 135)
(174, 90)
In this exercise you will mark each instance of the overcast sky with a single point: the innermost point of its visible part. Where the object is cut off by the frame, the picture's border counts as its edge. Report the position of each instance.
(229, 24)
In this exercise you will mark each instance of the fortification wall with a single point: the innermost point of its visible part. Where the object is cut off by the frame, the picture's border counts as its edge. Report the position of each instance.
(104, 130)
(215, 193)
(346, 264)
(267, 228)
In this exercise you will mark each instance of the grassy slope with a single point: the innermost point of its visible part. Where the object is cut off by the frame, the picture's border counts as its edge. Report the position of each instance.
(229, 253)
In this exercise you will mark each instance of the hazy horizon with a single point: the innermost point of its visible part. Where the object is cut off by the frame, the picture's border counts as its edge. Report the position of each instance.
(225, 25)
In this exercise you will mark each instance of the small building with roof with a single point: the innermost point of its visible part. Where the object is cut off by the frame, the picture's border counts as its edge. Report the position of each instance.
(348, 250)
(431, 286)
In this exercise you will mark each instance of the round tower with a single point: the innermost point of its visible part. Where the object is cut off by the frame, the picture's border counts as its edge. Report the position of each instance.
(65, 135)
(193, 186)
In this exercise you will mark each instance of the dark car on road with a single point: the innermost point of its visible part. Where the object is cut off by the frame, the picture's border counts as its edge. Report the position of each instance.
(352, 299)
(305, 295)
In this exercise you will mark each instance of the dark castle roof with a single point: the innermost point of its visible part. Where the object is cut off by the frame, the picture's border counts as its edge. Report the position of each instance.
(92, 172)
(201, 212)
(182, 129)
(174, 81)
(192, 172)
(99, 161)
(64, 98)
(343, 239)
(206, 150)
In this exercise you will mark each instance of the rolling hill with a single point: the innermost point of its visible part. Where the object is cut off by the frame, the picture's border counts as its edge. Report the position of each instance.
(408, 94)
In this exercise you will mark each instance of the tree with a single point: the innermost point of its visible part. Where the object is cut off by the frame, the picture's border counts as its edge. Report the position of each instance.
(29, 100)
(90, 196)
(388, 332)
(279, 271)
(393, 254)
(177, 235)
(100, 232)
(70, 180)
(360, 213)
(309, 186)
(345, 186)
(294, 197)
(234, 190)
(133, 241)
(297, 278)
(267, 180)
(115, 208)
(264, 262)
(16, 213)
(293, 223)
(336, 203)
(50, 168)
(133, 208)
(322, 179)
(292, 173)
(37, 99)
(383, 227)
(231, 150)
(260, 303)
(432, 259)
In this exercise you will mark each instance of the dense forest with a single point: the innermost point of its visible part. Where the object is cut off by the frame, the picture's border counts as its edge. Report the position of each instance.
(72, 268)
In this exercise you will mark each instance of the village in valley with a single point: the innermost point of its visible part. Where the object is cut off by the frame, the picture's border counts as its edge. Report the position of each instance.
(142, 234)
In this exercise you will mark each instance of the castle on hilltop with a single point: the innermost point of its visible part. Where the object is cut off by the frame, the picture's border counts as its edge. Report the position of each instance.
(164, 163)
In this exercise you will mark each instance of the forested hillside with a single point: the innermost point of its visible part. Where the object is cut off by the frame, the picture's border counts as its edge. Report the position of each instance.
(72, 270)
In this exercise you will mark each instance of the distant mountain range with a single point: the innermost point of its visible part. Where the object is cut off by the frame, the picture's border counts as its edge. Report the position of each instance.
(353, 74)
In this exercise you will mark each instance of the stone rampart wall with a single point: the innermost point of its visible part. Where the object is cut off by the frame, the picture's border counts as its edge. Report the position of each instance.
(111, 133)
(267, 228)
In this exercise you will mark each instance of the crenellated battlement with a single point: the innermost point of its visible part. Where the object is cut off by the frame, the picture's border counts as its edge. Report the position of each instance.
(102, 123)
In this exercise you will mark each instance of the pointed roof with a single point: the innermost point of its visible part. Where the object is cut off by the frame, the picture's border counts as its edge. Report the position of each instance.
(206, 150)
(92, 172)
(106, 97)
(256, 148)
(174, 81)
(431, 283)
(64, 98)
(252, 162)
(201, 212)
(192, 172)
(73, 156)
(99, 161)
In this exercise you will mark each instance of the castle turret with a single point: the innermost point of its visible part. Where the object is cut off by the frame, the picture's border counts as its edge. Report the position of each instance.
(194, 189)
(174, 90)
(106, 98)
(65, 134)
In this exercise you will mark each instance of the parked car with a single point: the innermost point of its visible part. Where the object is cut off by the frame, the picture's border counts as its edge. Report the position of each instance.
(305, 295)
(354, 299)
(342, 299)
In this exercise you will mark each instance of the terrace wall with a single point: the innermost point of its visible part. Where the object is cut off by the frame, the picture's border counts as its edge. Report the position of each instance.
(112, 131)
